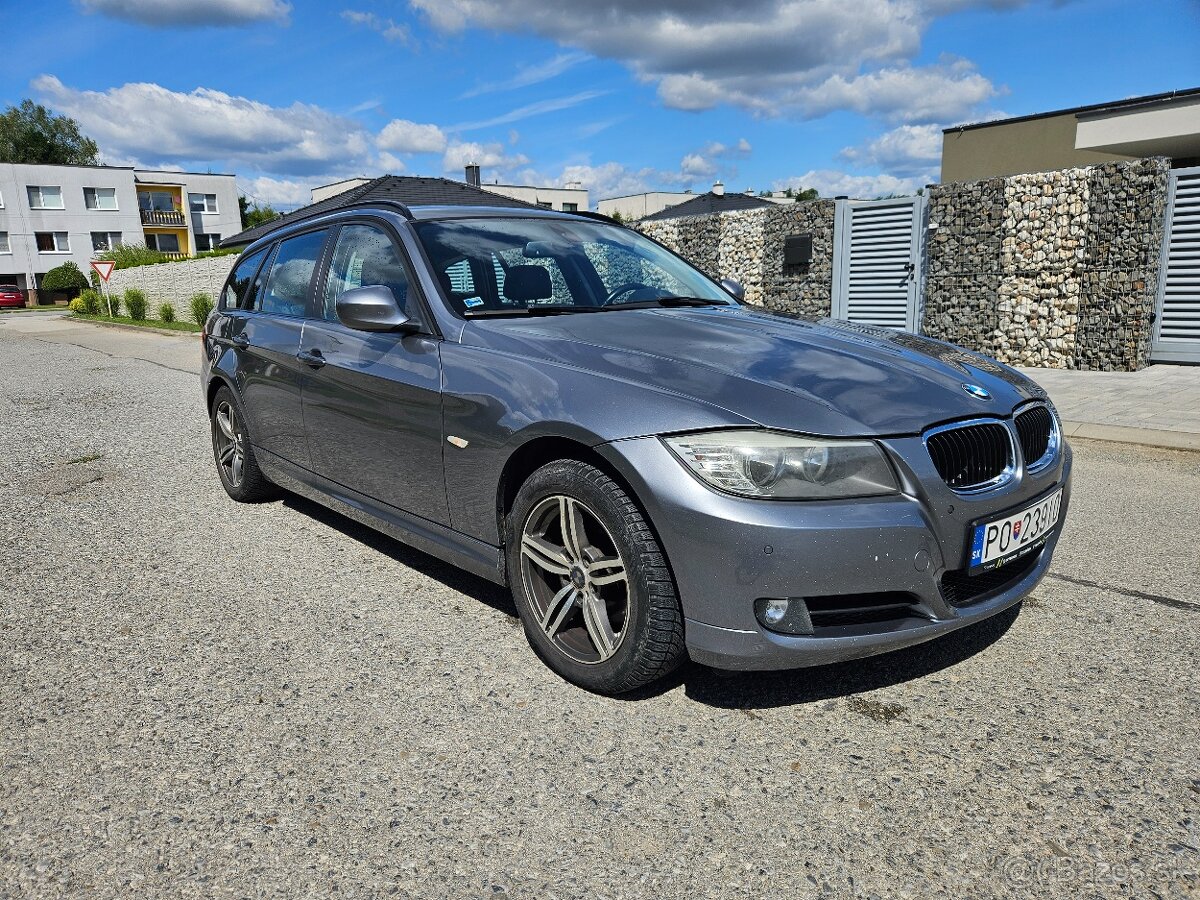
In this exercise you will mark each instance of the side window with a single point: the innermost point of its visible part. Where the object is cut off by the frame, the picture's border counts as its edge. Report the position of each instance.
(239, 281)
(286, 290)
(364, 255)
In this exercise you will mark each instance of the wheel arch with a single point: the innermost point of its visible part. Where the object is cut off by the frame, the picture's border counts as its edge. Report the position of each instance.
(539, 451)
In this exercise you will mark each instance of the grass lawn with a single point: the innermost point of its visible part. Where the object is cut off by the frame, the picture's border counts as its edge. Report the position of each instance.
(48, 308)
(145, 323)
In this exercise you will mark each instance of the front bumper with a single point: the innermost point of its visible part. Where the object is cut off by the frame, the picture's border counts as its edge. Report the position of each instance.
(726, 552)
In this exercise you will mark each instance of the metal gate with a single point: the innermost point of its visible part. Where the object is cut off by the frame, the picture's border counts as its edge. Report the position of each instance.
(877, 259)
(1177, 325)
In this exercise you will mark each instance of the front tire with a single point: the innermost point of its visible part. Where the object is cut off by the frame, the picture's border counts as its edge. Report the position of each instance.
(240, 475)
(591, 582)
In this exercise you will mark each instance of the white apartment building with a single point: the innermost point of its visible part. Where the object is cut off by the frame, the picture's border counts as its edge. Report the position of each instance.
(50, 214)
(571, 198)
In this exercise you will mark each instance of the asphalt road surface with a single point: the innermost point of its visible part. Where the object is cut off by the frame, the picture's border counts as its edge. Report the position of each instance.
(203, 699)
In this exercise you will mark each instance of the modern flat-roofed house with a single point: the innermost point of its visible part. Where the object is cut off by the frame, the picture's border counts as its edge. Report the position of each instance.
(50, 214)
(1157, 125)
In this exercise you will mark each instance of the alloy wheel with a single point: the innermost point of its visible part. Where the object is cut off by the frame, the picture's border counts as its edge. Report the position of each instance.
(575, 578)
(230, 443)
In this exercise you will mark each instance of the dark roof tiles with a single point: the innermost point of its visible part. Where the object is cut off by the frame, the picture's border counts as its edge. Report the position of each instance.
(409, 190)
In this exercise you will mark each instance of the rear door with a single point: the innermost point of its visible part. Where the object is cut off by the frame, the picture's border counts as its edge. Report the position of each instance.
(372, 400)
(270, 374)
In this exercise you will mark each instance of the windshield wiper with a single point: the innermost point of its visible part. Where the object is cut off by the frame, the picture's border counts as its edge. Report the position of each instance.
(668, 302)
(529, 311)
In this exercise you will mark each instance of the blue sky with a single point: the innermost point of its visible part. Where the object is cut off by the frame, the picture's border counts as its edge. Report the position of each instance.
(847, 96)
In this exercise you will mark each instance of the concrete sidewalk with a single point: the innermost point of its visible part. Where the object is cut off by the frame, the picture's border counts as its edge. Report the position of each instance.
(1158, 406)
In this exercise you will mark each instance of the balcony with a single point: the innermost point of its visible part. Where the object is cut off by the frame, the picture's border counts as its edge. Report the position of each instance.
(168, 217)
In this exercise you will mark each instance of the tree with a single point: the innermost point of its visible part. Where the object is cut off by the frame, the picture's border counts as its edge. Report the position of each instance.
(66, 277)
(30, 133)
(802, 194)
(253, 216)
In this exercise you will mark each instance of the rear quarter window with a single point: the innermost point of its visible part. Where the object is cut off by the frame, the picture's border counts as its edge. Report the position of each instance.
(238, 293)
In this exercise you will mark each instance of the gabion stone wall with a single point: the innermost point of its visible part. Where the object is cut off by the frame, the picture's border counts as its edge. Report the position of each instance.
(1056, 269)
(748, 245)
(176, 282)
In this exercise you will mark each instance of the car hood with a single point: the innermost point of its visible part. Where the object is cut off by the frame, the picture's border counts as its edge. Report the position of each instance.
(826, 377)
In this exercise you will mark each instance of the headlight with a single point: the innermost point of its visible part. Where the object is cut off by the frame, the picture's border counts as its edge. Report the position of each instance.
(777, 465)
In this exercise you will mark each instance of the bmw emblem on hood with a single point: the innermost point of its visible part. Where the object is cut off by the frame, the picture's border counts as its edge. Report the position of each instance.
(976, 391)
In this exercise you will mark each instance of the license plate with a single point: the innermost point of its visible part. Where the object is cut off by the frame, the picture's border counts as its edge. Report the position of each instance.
(1010, 537)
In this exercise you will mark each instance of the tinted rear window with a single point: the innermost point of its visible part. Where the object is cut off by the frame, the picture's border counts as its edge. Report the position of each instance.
(286, 290)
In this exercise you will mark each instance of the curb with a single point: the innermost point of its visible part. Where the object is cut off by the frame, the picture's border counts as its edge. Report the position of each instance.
(141, 328)
(1122, 434)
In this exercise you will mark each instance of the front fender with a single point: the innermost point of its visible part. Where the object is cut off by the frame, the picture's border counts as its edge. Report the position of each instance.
(498, 402)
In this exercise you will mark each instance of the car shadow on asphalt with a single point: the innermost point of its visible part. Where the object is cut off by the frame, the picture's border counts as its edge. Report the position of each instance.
(728, 690)
(451, 576)
(765, 690)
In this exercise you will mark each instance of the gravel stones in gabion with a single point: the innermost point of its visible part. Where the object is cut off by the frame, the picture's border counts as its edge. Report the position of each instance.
(1072, 254)
(747, 245)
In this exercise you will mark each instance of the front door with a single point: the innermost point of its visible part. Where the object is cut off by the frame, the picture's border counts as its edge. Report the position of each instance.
(372, 401)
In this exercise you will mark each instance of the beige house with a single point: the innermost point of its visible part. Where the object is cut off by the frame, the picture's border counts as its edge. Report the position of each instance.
(1158, 125)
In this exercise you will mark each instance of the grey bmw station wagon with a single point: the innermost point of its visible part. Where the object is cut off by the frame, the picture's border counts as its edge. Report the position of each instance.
(657, 471)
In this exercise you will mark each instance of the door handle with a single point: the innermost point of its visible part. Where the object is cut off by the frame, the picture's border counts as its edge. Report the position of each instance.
(240, 340)
(312, 358)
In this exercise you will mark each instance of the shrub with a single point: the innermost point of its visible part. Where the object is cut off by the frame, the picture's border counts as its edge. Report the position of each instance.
(166, 313)
(135, 302)
(66, 277)
(125, 256)
(201, 305)
(76, 305)
(89, 303)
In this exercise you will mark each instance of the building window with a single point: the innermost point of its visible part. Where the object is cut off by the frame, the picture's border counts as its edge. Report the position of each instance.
(163, 243)
(1, 200)
(5, 247)
(207, 242)
(570, 207)
(53, 242)
(45, 197)
(203, 203)
(105, 240)
(100, 198)
(156, 201)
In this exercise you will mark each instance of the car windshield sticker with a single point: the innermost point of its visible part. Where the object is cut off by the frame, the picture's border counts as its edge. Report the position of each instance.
(472, 302)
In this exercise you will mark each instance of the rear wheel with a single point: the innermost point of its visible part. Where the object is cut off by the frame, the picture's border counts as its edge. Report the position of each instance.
(239, 471)
(591, 583)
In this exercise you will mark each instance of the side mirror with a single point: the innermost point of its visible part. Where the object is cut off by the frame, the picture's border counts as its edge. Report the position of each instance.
(372, 307)
(735, 288)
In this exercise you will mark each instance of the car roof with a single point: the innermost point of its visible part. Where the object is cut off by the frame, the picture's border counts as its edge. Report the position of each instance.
(429, 213)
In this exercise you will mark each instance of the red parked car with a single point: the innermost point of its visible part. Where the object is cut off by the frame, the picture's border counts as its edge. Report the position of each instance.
(11, 295)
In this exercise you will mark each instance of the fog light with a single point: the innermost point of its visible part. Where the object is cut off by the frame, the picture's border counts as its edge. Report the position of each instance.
(774, 612)
(784, 615)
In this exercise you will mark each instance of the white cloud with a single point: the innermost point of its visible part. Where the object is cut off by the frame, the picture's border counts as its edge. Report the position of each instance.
(190, 13)
(774, 57)
(610, 179)
(555, 104)
(278, 192)
(388, 28)
(697, 166)
(403, 136)
(488, 156)
(530, 75)
(943, 92)
(907, 150)
(832, 183)
(150, 122)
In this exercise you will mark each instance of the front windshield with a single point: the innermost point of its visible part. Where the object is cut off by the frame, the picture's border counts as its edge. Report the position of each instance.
(497, 265)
